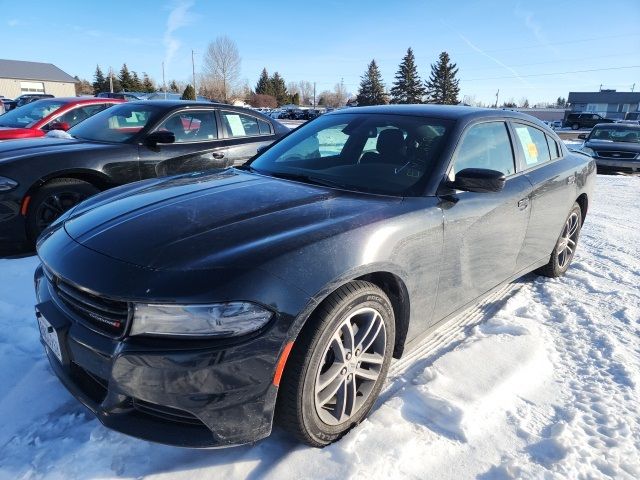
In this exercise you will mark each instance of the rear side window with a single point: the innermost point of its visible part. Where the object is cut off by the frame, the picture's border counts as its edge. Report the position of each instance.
(554, 148)
(533, 143)
(486, 145)
(240, 125)
(265, 128)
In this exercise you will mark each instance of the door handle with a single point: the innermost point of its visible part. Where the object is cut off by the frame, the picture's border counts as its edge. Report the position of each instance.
(571, 179)
(524, 203)
(217, 155)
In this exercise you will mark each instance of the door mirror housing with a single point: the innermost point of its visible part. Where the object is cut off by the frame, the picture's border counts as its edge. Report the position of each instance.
(160, 136)
(260, 150)
(583, 136)
(64, 126)
(480, 180)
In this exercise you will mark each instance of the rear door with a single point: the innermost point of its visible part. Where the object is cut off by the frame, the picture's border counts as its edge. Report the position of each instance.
(483, 232)
(542, 159)
(244, 134)
(198, 145)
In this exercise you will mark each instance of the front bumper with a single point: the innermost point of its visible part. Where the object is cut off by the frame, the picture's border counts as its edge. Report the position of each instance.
(633, 164)
(177, 393)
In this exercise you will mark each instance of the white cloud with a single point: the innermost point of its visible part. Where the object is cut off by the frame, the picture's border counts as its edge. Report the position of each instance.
(534, 27)
(179, 17)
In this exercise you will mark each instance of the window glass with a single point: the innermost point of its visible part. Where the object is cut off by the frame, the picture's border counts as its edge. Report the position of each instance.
(402, 150)
(554, 148)
(265, 128)
(75, 116)
(486, 145)
(534, 145)
(240, 125)
(613, 133)
(30, 113)
(191, 126)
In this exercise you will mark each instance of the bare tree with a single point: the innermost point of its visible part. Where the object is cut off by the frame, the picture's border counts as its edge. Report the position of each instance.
(222, 65)
(306, 92)
(340, 94)
(293, 88)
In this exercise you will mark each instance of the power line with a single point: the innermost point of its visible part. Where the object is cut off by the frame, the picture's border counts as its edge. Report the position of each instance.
(550, 74)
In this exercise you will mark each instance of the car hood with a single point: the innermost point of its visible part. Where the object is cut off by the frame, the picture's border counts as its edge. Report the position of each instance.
(17, 149)
(10, 133)
(613, 146)
(216, 219)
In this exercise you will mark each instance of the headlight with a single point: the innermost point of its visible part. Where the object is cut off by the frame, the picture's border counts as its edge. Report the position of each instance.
(588, 151)
(216, 320)
(7, 184)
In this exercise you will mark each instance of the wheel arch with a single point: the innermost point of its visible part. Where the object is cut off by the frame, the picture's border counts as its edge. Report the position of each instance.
(583, 201)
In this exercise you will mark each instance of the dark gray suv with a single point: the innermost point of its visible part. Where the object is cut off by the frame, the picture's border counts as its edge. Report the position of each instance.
(584, 120)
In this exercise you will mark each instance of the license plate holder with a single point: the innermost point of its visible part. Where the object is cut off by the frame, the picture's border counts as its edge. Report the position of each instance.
(49, 336)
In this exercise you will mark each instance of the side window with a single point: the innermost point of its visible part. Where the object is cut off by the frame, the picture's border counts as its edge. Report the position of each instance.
(486, 145)
(75, 116)
(191, 126)
(534, 144)
(265, 127)
(324, 143)
(554, 148)
(240, 125)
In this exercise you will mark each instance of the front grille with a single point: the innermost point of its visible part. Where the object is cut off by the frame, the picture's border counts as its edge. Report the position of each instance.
(165, 413)
(616, 155)
(101, 314)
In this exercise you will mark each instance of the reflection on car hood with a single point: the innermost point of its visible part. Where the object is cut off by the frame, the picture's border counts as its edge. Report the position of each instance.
(16, 149)
(209, 220)
(8, 133)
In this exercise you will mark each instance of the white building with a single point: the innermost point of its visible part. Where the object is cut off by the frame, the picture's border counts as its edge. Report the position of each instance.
(19, 78)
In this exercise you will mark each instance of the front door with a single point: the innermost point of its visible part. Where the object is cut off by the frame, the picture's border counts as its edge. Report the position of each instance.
(197, 146)
(483, 232)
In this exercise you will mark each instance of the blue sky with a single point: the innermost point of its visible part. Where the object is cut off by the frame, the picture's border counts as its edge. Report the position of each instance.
(522, 48)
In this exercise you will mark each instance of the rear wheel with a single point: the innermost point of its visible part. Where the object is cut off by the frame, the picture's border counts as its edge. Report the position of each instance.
(575, 126)
(52, 200)
(338, 365)
(565, 247)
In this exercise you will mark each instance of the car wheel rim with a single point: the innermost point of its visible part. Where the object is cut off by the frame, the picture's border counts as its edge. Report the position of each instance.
(568, 239)
(350, 366)
(55, 205)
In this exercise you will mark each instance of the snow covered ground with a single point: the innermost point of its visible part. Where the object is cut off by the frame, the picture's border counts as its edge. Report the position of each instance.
(540, 381)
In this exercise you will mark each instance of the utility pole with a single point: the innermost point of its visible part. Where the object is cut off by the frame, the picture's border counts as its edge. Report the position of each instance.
(633, 87)
(164, 83)
(314, 95)
(497, 95)
(111, 79)
(193, 70)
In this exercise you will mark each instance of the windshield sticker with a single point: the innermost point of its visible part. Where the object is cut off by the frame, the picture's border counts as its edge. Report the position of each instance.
(237, 128)
(530, 149)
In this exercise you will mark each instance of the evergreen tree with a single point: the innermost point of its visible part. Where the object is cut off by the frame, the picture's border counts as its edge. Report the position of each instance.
(99, 81)
(295, 98)
(125, 79)
(147, 84)
(264, 86)
(189, 93)
(442, 86)
(407, 87)
(279, 89)
(136, 84)
(371, 87)
(173, 87)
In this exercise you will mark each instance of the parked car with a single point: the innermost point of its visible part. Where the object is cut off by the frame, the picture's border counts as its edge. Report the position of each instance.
(584, 120)
(193, 309)
(631, 117)
(2, 110)
(173, 96)
(128, 96)
(31, 97)
(8, 103)
(35, 119)
(614, 146)
(42, 178)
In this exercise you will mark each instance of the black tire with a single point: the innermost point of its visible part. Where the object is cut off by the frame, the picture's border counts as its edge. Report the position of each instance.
(575, 126)
(297, 409)
(558, 265)
(52, 200)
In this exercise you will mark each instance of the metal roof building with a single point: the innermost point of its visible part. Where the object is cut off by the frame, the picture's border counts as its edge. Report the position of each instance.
(18, 78)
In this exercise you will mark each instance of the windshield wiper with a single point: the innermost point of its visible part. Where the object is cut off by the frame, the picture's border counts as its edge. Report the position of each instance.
(301, 177)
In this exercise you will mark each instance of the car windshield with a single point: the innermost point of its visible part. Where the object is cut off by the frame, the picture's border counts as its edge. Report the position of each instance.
(26, 115)
(375, 153)
(117, 124)
(609, 134)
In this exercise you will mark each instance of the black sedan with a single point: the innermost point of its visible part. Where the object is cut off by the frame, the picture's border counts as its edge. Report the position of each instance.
(614, 146)
(193, 310)
(40, 179)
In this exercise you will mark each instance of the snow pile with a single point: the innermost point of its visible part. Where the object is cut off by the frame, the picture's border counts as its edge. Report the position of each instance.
(540, 380)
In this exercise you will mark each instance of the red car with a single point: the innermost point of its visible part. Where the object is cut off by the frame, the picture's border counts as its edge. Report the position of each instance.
(37, 118)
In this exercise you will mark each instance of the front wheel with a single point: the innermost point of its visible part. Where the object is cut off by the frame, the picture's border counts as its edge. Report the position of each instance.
(52, 200)
(575, 126)
(338, 365)
(565, 247)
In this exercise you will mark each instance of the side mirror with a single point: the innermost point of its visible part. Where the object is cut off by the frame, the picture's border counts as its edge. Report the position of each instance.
(583, 136)
(161, 136)
(478, 180)
(64, 126)
(262, 149)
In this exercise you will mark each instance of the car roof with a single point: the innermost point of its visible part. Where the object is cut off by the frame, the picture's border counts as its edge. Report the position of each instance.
(452, 112)
(624, 126)
(70, 100)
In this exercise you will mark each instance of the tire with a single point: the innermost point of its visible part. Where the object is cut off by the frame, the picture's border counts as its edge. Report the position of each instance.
(566, 244)
(52, 200)
(575, 126)
(306, 406)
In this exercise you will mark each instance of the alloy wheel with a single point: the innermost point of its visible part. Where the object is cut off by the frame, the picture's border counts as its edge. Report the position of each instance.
(567, 241)
(55, 205)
